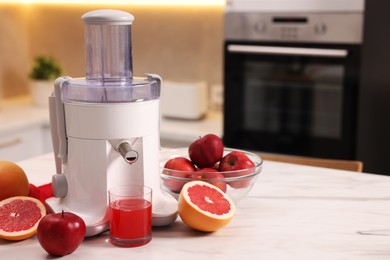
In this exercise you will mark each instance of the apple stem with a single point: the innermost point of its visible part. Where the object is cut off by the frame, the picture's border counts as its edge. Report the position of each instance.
(62, 213)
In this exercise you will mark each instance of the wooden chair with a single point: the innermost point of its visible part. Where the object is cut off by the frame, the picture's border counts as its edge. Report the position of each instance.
(349, 165)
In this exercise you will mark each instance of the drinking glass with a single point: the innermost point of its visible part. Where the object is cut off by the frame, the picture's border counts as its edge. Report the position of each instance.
(130, 215)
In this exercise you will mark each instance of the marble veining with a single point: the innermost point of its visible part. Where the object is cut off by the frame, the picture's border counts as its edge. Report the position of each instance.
(292, 212)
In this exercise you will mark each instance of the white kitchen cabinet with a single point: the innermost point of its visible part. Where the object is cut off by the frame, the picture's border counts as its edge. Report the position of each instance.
(24, 143)
(47, 144)
(24, 130)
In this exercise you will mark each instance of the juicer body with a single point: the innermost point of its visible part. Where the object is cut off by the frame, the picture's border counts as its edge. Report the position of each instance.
(90, 162)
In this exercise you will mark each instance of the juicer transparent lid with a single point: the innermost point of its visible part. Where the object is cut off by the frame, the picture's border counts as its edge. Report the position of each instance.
(109, 67)
(134, 90)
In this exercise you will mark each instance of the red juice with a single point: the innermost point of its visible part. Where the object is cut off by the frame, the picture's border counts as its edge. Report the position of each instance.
(131, 219)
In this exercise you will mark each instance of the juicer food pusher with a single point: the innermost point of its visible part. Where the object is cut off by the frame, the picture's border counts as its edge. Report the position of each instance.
(105, 127)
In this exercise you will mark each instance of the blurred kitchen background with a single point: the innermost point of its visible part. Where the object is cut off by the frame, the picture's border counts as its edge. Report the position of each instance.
(183, 41)
(174, 41)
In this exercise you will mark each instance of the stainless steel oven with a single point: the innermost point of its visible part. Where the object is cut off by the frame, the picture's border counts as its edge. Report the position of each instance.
(291, 82)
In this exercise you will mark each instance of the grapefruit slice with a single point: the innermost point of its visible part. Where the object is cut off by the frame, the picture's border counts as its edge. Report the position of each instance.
(19, 217)
(204, 207)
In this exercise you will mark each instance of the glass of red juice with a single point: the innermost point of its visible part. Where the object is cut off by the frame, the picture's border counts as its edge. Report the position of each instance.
(130, 209)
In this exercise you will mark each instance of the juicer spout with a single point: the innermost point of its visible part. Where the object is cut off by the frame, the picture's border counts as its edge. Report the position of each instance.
(125, 150)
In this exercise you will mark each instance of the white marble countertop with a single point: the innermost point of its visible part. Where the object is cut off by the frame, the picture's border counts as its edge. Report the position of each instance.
(292, 212)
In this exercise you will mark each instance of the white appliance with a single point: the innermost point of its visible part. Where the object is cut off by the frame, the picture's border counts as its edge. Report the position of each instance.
(105, 127)
(185, 99)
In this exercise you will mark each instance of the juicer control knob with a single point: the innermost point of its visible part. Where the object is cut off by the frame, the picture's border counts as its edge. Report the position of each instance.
(59, 185)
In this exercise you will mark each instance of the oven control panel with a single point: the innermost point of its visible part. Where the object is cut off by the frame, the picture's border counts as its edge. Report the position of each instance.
(326, 28)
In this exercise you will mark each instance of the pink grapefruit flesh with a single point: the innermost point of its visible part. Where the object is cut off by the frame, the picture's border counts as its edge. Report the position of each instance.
(204, 207)
(19, 217)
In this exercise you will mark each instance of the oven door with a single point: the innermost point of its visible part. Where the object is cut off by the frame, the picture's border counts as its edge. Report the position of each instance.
(291, 99)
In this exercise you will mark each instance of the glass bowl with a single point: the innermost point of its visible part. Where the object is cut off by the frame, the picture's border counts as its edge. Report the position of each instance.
(236, 184)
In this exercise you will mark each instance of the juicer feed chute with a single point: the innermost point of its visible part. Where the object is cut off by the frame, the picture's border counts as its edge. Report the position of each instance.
(105, 127)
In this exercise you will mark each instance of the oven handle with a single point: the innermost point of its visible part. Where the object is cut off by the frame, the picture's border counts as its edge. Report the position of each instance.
(293, 51)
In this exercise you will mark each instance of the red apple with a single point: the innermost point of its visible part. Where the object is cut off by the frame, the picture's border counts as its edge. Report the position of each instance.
(211, 176)
(206, 151)
(178, 167)
(61, 233)
(237, 161)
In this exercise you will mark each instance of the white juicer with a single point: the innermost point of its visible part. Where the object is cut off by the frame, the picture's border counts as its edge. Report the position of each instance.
(105, 127)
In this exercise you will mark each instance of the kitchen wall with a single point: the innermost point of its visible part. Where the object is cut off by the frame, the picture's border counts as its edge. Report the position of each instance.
(176, 42)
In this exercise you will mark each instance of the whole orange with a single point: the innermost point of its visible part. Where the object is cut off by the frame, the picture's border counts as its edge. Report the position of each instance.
(13, 181)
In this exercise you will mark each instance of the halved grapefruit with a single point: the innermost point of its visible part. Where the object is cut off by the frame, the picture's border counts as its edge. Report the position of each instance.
(204, 207)
(19, 217)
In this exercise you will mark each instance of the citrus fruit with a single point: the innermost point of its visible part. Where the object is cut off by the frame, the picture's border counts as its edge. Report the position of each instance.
(13, 181)
(19, 217)
(204, 207)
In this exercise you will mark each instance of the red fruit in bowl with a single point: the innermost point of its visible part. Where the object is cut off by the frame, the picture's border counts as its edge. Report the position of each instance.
(177, 167)
(211, 176)
(237, 161)
(61, 233)
(206, 151)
